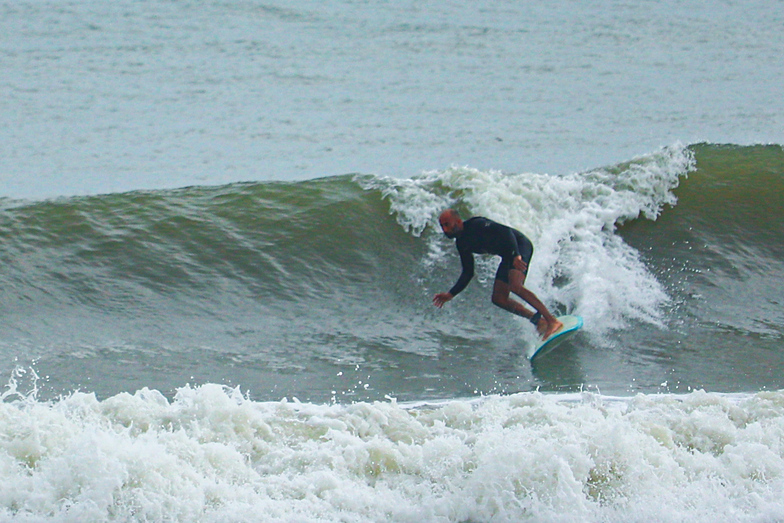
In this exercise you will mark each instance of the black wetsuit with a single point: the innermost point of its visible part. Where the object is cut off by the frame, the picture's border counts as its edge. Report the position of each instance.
(483, 236)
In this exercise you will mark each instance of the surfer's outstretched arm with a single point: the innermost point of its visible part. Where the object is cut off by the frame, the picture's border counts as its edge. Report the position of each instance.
(467, 262)
(441, 298)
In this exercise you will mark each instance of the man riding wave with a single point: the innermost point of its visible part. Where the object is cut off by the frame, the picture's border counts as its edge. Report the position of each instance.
(480, 235)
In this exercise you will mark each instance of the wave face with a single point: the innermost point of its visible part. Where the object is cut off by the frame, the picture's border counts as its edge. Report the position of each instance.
(321, 289)
(719, 250)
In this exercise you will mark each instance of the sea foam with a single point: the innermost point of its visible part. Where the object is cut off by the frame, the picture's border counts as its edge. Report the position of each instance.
(212, 454)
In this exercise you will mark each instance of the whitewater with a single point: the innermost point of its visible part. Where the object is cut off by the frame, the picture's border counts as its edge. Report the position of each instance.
(213, 455)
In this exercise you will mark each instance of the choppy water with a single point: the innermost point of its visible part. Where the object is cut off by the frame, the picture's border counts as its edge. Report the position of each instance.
(218, 247)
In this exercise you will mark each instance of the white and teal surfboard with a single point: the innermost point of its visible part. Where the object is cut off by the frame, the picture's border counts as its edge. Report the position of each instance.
(571, 324)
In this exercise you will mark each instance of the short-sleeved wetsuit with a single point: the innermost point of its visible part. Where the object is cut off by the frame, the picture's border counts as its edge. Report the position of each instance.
(483, 236)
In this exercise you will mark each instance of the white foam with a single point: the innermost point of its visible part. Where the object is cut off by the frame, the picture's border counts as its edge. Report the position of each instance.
(211, 454)
(580, 263)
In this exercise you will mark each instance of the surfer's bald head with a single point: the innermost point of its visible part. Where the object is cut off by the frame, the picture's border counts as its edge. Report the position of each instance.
(451, 223)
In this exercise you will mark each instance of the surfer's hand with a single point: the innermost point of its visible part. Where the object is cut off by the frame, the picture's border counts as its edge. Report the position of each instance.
(519, 264)
(441, 298)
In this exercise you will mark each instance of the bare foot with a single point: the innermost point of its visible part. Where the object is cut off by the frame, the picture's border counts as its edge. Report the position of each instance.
(547, 329)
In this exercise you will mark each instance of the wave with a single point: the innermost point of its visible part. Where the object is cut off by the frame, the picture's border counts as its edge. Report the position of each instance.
(320, 290)
(262, 239)
(212, 454)
(677, 249)
(719, 252)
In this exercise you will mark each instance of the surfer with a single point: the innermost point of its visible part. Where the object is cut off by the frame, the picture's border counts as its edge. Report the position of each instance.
(483, 236)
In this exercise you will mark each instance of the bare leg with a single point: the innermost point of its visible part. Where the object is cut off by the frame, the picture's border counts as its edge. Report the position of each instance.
(501, 299)
(548, 324)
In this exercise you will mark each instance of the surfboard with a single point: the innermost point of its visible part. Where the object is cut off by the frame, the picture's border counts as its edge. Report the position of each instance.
(571, 324)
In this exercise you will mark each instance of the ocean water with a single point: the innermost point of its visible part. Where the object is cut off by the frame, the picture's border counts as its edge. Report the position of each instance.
(219, 244)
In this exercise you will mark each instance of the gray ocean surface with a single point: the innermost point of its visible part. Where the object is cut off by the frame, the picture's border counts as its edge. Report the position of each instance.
(104, 97)
(219, 245)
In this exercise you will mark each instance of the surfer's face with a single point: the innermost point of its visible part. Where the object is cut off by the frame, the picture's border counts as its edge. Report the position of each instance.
(451, 225)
